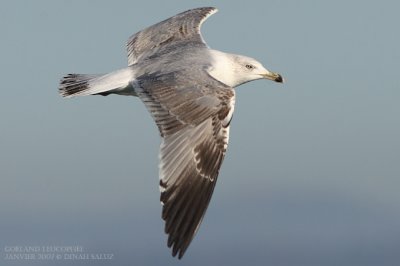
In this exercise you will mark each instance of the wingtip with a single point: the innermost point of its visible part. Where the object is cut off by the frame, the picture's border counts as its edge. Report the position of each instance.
(215, 9)
(178, 251)
(210, 9)
(180, 256)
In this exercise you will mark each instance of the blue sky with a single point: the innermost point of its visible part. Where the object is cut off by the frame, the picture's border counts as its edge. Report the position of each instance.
(312, 171)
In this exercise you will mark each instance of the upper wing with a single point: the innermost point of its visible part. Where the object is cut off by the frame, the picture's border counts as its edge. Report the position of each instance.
(194, 123)
(182, 27)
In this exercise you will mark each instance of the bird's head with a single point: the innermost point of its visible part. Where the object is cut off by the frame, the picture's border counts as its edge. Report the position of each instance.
(248, 69)
(234, 70)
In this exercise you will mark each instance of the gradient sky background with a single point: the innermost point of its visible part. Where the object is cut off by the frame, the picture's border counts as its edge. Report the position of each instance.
(312, 174)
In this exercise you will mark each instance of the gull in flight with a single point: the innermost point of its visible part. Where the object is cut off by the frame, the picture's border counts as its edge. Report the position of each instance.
(188, 89)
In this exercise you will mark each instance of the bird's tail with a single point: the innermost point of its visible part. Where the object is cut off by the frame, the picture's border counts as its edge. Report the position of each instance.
(118, 82)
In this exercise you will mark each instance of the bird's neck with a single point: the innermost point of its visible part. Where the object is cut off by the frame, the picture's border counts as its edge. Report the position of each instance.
(223, 68)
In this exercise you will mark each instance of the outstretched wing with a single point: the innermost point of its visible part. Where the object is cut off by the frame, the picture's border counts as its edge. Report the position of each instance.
(193, 120)
(184, 27)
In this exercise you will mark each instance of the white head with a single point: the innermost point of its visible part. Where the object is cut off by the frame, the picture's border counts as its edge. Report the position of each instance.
(234, 70)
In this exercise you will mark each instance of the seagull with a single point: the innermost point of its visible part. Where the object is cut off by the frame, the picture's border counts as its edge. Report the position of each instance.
(188, 88)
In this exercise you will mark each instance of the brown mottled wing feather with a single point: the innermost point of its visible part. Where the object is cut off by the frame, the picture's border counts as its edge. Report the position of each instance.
(184, 27)
(193, 120)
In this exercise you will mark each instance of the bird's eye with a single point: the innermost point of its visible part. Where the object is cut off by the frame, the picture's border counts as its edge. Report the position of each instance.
(248, 66)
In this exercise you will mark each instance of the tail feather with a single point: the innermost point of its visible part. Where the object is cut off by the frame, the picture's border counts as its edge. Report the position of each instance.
(75, 85)
(118, 82)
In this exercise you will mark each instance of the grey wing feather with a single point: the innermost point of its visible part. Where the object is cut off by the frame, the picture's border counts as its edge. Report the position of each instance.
(184, 27)
(193, 120)
(189, 169)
